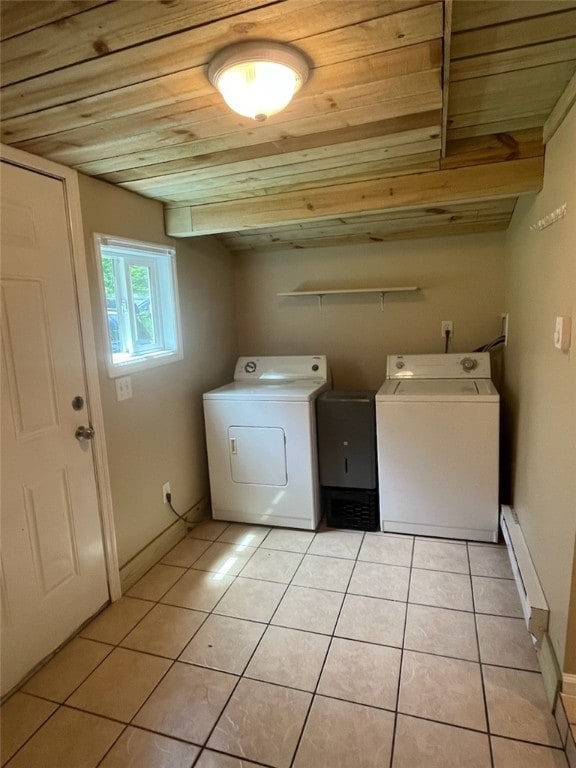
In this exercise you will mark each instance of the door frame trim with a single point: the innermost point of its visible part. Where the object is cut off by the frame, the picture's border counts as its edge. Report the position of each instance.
(69, 179)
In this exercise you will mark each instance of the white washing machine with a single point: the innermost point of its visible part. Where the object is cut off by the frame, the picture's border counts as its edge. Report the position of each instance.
(437, 420)
(261, 438)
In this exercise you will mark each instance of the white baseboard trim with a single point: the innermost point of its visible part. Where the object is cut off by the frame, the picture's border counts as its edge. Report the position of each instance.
(534, 606)
(569, 684)
(549, 668)
(137, 566)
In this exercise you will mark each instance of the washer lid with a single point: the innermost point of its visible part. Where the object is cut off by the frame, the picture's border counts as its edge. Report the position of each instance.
(298, 389)
(437, 387)
(438, 390)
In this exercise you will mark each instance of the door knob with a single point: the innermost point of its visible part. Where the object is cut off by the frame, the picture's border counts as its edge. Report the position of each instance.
(84, 433)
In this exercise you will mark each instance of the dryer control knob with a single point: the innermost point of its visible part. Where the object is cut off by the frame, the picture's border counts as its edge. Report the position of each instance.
(400, 364)
(469, 364)
(250, 366)
(315, 367)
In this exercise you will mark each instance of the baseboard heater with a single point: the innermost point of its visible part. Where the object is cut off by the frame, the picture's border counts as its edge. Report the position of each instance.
(534, 605)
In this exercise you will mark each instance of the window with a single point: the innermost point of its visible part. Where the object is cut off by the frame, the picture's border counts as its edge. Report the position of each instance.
(140, 298)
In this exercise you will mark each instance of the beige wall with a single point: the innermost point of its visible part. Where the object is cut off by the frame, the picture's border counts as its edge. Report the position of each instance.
(541, 381)
(461, 280)
(158, 435)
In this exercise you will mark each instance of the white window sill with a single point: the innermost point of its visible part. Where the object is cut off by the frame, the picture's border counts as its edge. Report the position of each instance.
(141, 363)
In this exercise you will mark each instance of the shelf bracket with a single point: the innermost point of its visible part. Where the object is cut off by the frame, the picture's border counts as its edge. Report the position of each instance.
(382, 294)
(320, 297)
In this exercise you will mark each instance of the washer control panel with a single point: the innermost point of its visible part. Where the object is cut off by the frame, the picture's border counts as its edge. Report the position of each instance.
(473, 365)
(469, 363)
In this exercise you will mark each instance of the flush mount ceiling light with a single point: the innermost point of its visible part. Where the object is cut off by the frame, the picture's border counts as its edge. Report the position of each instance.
(258, 79)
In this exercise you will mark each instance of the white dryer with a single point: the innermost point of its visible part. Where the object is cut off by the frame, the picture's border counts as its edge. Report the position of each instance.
(261, 439)
(437, 420)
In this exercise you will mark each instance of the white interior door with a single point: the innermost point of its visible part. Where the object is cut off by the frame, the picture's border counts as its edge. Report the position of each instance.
(53, 571)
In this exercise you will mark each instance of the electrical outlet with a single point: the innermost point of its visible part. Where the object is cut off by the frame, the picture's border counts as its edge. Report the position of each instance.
(123, 388)
(165, 492)
(447, 325)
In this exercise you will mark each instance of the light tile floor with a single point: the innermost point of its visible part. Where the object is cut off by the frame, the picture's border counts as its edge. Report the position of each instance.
(249, 647)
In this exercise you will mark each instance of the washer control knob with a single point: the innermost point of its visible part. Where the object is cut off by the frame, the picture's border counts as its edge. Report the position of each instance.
(469, 364)
(250, 366)
(315, 367)
(400, 365)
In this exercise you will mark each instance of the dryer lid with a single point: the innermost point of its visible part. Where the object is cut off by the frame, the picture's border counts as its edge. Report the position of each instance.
(296, 390)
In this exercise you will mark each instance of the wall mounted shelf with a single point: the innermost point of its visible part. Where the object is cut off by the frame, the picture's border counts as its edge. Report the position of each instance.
(320, 293)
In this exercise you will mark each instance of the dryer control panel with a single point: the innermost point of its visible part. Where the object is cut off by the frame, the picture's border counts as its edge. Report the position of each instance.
(285, 368)
(467, 365)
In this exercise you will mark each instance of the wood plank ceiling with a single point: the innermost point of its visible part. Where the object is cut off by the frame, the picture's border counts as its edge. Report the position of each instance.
(420, 117)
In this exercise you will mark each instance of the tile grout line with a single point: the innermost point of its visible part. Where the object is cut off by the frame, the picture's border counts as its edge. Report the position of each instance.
(397, 712)
(62, 704)
(156, 603)
(173, 661)
(314, 692)
(42, 724)
(241, 676)
(481, 669)
(170, 667)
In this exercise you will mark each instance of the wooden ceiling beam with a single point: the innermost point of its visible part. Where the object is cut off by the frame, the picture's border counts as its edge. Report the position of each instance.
(561, 109)
(459, 185)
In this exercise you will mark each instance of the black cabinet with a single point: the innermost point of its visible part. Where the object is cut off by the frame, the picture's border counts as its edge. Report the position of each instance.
(346, 425)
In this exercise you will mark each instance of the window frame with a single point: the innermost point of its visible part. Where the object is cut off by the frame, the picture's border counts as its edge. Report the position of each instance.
(165, 306)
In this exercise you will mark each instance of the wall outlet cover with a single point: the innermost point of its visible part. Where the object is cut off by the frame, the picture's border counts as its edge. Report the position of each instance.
(123, 388)
(447, 325)
(562, 333)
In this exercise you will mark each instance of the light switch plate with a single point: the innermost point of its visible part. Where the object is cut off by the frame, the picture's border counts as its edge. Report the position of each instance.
(562, 333)
(123, 388)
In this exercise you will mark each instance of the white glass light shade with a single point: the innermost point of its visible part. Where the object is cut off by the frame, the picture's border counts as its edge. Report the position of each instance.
(258, 79)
